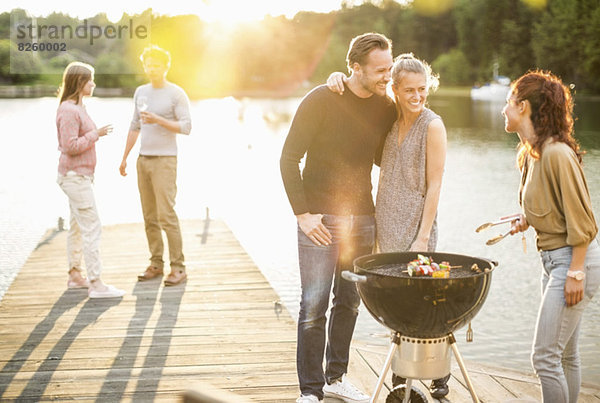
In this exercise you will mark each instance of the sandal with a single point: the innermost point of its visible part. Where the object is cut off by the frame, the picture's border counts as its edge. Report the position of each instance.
(175, 277)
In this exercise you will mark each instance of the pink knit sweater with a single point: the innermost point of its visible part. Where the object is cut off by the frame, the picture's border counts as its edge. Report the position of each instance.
(77, 136)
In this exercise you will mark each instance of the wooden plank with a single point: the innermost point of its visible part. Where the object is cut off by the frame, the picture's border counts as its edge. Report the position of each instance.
(374, 361)
(67, 362)
(58, 382)
(487, 388)
(115, 327)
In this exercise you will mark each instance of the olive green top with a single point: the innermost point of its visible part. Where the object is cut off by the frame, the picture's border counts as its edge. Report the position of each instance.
(555, 198)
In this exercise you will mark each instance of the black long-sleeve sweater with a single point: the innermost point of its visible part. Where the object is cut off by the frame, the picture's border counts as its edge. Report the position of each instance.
(340, 136)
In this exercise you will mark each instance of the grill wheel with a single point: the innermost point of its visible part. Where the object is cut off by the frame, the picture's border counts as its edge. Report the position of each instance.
(397, 380)
(397, 395)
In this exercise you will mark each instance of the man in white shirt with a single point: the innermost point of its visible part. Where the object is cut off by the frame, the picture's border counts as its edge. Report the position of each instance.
(161, 111)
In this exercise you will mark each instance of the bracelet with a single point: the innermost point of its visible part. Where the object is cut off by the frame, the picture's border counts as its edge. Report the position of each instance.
(576, 274)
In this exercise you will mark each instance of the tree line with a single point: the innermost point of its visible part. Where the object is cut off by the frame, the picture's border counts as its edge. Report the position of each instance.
(277, 55)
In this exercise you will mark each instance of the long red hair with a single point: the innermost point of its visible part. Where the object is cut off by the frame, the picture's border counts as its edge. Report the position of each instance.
(551, 111)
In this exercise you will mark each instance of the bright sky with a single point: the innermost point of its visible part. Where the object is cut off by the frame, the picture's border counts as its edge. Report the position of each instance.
(228, 11)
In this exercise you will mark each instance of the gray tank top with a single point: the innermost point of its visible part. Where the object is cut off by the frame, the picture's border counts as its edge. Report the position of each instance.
(402, 187)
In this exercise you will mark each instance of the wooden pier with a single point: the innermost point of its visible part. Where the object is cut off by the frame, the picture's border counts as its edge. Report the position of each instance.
(224, 328)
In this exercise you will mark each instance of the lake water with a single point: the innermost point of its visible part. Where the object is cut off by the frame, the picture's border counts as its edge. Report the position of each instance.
(230, 164)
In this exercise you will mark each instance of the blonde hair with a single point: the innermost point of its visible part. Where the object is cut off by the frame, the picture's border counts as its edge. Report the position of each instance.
(75, 77)
(407, 63)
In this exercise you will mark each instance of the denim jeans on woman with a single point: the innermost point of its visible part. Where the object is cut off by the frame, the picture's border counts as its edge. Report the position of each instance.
(555, 355)
(320, 267)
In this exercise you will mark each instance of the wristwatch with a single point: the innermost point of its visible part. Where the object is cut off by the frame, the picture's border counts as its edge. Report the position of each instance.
(576, 274)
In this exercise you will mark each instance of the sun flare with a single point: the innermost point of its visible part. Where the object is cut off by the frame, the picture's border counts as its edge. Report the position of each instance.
(232, 13)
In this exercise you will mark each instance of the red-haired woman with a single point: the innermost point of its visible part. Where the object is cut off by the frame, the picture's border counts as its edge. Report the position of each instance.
(77, 135)
(556, 202)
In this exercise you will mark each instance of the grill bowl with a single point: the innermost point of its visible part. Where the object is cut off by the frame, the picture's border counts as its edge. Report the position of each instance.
(422, 307)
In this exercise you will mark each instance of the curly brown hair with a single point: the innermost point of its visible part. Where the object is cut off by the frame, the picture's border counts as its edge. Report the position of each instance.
(157, 53)
(551, 111)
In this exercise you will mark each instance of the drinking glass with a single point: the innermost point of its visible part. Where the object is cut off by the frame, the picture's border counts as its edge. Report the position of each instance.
(142, 103)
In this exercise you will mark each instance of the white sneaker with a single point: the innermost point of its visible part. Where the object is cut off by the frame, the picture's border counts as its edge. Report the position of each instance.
(110, 292)
(344, 390)
(308, 399)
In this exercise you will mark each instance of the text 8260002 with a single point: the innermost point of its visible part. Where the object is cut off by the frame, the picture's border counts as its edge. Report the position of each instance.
(42, 46)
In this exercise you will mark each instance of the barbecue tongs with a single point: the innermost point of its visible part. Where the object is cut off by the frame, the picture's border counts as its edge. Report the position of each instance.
(497, 238)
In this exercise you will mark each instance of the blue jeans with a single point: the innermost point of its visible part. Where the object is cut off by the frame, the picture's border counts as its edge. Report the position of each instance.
(320, 267)
(555, 355)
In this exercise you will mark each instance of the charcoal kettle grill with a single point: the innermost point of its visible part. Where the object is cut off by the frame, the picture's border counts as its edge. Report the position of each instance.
(423, 312)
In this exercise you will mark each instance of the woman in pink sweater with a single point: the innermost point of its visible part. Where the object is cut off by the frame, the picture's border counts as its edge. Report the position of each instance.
(77, 135)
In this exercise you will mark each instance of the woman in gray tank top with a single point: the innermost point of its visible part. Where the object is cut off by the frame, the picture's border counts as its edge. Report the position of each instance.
(412, 164)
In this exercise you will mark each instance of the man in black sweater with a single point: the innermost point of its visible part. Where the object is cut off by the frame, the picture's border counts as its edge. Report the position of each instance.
(341, 137)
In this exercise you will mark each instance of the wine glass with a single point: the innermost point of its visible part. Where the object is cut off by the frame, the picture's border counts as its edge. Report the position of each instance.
(142, 103)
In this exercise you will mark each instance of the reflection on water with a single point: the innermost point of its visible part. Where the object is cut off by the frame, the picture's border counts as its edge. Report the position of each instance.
(460, 112)
(587, 124)
(487, 123)
(230, 163)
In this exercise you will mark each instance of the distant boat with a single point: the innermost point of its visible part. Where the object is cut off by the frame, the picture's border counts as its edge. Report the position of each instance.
(493, 91)
(496, 90)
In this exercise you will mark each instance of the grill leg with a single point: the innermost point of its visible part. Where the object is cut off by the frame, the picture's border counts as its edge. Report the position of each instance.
(408, 390)
(463, 368)
(386, 367)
